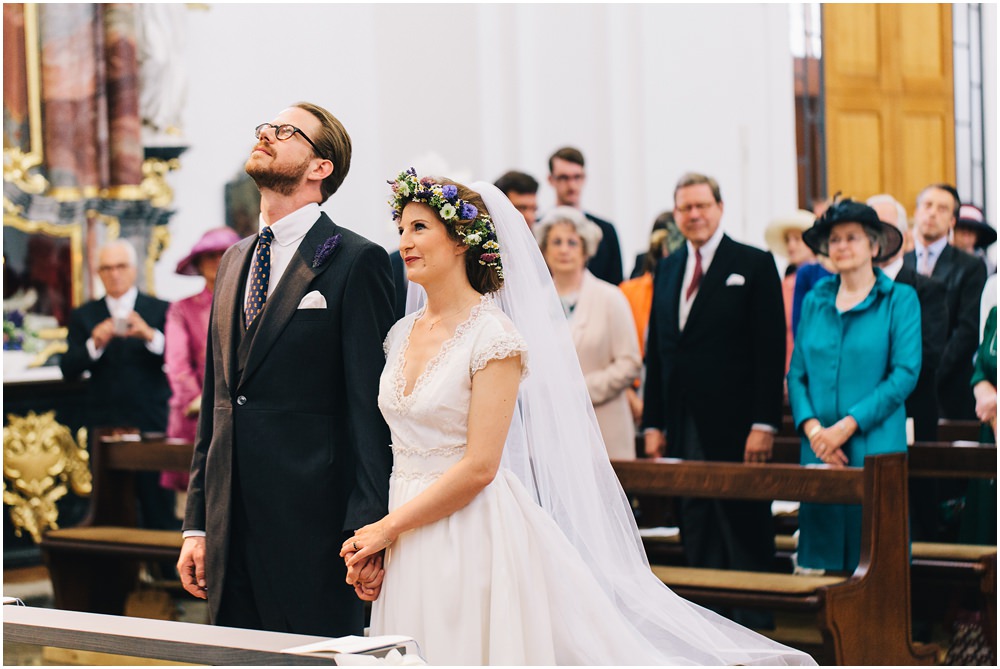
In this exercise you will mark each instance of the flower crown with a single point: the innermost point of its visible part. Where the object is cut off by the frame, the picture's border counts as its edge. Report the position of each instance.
(443, 198)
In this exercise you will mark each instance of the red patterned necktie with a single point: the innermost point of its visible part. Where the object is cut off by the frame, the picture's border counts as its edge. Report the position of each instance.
(260, 274)
(695, 277)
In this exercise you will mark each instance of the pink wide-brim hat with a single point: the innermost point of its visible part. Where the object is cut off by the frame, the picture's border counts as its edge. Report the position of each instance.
(213, 241)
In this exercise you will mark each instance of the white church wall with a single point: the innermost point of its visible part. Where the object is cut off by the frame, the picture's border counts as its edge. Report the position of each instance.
(647, 92)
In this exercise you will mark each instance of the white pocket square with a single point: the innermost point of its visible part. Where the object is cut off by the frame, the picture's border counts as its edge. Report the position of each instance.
(313, 300)
(735, 280)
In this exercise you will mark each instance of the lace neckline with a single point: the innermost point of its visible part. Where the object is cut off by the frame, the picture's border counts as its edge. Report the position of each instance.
(401, 397)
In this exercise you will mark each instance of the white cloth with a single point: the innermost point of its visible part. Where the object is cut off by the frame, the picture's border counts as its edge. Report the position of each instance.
(120, 308)
(892, 269)
(545, 565)
(288, 234)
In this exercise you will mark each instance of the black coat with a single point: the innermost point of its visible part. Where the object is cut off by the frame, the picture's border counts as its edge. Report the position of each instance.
(607, 262)
(296, 418)
(127, 385)
(726, 368)
(964, 276)
(922, 402)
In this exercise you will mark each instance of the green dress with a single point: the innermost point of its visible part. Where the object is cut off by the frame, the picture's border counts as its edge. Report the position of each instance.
(979, 518)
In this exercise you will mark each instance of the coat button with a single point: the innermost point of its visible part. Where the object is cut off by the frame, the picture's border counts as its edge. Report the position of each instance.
(241, 400)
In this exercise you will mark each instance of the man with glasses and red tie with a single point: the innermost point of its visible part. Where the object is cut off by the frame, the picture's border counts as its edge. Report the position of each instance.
(715, 358)
(292, 451)
(567, 177)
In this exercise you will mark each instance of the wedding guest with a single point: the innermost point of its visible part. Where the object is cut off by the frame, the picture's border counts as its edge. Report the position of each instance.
(784, 238)
(714, 360)
(921, 406)
(119, 340)
(567, 177)
(600, 322)
(186, 337)
(672, 240)
(963, 276)
(522, 191)
(974, 235)
(979, 518)
(856, 360)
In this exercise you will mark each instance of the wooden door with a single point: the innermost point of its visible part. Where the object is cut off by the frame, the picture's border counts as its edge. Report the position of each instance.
(888, 81)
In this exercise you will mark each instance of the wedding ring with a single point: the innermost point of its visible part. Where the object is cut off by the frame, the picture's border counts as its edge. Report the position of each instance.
(355, 544)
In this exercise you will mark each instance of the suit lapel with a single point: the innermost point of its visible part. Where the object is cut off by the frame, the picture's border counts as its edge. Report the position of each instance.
(712, 280)
(229, 312)
(943, 266)
(673, 275)
(280, 306)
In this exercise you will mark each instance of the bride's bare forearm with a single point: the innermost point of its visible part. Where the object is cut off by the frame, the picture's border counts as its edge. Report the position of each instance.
(452, 492)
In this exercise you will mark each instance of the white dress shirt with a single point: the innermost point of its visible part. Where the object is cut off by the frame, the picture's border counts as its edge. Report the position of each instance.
(288, 234)
(120, 308)
(892, 269)
(932, 252)
(707, 254)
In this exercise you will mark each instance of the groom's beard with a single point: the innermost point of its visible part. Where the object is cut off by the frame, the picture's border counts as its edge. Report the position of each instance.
(282, 180)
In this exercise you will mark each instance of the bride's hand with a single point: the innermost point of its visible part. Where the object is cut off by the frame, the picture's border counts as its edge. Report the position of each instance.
(367, 541)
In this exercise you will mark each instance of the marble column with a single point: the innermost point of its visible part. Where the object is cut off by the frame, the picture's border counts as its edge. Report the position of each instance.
(16, 131)
(125, 145)
(69, 35)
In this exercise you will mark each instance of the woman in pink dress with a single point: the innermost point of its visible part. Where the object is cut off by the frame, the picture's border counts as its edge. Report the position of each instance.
(186, 336)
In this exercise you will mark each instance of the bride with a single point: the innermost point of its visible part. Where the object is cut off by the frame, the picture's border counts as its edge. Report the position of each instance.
(509, 539)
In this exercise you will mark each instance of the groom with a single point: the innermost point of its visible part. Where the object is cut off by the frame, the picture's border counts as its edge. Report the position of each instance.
(292, 452)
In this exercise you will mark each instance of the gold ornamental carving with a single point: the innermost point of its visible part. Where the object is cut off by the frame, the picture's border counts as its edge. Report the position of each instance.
(158, 243)
(40, 459)
(154, 180)
(17, 167)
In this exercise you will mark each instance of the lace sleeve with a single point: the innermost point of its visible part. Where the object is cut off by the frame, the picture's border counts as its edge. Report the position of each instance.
(500, 347)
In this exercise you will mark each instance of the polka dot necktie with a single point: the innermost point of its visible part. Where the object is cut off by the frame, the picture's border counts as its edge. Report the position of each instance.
(260, 274)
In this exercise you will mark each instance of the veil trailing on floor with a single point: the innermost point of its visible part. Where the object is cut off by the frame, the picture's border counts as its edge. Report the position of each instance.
(556, 450)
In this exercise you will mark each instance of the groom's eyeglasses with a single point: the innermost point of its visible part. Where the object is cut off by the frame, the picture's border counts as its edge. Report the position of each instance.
(285, 131)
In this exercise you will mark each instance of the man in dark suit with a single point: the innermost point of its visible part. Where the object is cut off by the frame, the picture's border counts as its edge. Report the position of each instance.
(567, 177)
(921, 405)
(119, 340)
(292, 453)
(963, 276)
(522, 191)
(714, 363)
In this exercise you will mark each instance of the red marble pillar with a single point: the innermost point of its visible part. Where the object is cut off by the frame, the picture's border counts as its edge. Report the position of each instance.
(122, 68)
(16, 131)
(70, 90)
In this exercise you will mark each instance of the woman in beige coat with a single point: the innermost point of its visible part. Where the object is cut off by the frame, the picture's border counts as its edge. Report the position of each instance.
(600, 321)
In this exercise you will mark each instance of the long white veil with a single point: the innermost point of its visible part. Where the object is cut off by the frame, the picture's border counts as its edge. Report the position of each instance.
(556, 450)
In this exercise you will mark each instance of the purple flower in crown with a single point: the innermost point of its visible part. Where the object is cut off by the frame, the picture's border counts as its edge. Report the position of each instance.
(326, 250)
(468, 211)
(489, 257)
(450, 192)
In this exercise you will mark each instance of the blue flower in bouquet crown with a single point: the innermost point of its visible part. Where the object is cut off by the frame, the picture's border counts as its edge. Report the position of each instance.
(474, 227)
(326, 250)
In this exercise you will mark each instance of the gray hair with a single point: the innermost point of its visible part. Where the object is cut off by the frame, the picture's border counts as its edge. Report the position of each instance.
(133, 257)
(884, 198)
(589, 231)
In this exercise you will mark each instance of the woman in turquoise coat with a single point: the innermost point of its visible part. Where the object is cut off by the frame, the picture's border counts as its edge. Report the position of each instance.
(856, 359)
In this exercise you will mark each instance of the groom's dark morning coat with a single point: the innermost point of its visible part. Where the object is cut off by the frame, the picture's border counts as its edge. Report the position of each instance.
(291, 444)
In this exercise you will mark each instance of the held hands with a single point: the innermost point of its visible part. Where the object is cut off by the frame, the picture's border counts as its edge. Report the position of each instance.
(191, 567)
(366, 542)
(366, 577)
(827, 443)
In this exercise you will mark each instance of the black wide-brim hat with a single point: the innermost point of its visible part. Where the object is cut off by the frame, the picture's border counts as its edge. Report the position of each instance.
(971, 216)
(890, 239)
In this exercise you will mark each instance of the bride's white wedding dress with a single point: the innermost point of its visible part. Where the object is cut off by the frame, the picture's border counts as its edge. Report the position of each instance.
(498, 582)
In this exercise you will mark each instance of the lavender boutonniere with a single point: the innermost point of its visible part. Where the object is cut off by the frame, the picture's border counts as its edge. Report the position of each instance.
(326, 250)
